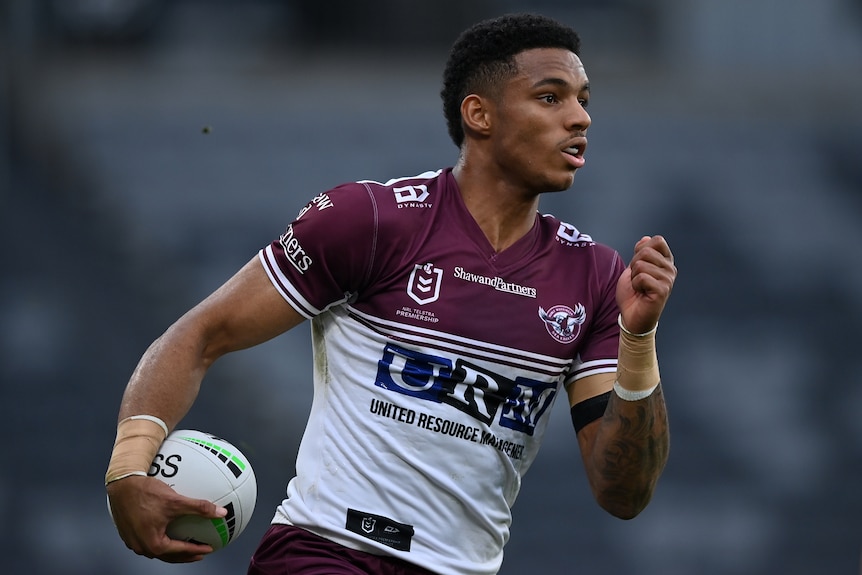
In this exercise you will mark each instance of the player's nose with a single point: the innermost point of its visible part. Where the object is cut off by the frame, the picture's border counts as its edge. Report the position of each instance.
(578, 119)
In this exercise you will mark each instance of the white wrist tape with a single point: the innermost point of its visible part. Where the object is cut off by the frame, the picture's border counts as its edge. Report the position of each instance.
(124, 475)
(154, 419)
(644, 334)
(628, 395)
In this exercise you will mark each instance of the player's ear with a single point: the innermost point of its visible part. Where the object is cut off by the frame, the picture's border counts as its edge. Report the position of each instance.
(475, 114)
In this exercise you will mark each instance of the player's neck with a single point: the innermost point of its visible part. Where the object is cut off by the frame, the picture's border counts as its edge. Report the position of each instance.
(503, 213)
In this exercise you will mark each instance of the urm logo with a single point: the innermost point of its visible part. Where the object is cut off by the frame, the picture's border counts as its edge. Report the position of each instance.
(478, 392)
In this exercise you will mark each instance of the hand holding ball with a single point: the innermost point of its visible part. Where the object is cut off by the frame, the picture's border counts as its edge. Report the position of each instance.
(203, 466)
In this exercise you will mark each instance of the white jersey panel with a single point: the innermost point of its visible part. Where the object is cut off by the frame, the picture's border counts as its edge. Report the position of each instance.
(361, 434)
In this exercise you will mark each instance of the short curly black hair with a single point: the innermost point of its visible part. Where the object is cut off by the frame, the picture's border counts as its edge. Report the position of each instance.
(484, 55)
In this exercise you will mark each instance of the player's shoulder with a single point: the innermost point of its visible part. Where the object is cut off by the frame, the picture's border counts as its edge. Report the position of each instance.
(357, 196)
(408, 201)
(577, 250)
(410, 191)
(402, 181)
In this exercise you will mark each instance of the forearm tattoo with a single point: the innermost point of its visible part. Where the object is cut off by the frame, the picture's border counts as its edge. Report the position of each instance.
(632, 450)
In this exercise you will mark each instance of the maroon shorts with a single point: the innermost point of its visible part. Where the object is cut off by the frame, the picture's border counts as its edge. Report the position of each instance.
(289, 550)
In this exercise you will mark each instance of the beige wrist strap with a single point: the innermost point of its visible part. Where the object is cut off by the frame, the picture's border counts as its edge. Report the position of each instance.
(138, 440)
(637, 367)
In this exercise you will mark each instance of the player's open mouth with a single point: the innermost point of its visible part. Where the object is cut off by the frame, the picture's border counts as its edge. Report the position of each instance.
(575, 154)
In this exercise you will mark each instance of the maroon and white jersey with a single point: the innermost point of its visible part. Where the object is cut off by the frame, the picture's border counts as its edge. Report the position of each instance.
(437, 362)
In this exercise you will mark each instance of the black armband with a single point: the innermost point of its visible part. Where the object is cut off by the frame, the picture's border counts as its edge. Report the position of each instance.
(589, 410)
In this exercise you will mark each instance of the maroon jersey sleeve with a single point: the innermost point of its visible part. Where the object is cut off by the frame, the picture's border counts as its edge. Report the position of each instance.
(598, 354)
(324, 256)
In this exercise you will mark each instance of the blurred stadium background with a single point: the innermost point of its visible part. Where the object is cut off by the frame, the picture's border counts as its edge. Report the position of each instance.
(733, 128)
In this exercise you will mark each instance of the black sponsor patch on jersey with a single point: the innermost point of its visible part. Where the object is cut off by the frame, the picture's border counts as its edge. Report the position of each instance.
(381, 529)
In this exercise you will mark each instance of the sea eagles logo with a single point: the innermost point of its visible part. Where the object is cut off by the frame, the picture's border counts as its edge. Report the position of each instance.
(424, 284)
(563, 322)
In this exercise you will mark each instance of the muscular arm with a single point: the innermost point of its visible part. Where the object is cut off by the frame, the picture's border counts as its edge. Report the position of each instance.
(245, 311)
(625, 450)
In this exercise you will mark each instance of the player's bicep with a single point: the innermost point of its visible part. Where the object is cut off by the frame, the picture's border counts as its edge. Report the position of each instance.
(246, 311)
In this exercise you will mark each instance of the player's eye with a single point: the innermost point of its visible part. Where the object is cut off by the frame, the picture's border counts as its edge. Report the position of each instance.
(583, 102)
(550, 99)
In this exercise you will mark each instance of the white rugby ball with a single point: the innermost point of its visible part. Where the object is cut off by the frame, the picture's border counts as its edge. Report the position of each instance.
(203, 466)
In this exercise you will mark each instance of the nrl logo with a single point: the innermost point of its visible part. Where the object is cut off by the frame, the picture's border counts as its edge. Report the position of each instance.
(563, 322)
(424, 284)
(368, 524)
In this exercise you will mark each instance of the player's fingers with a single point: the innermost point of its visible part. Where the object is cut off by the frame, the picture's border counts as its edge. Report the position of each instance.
(656, 243)
(654, 263)
(653, 266)
(659, 244)
(170, 550)
(183, 551)
(189, 506)
(642, 242)
(652, 256)
(654, 281)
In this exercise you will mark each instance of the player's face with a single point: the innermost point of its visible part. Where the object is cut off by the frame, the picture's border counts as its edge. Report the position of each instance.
(540, 133)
